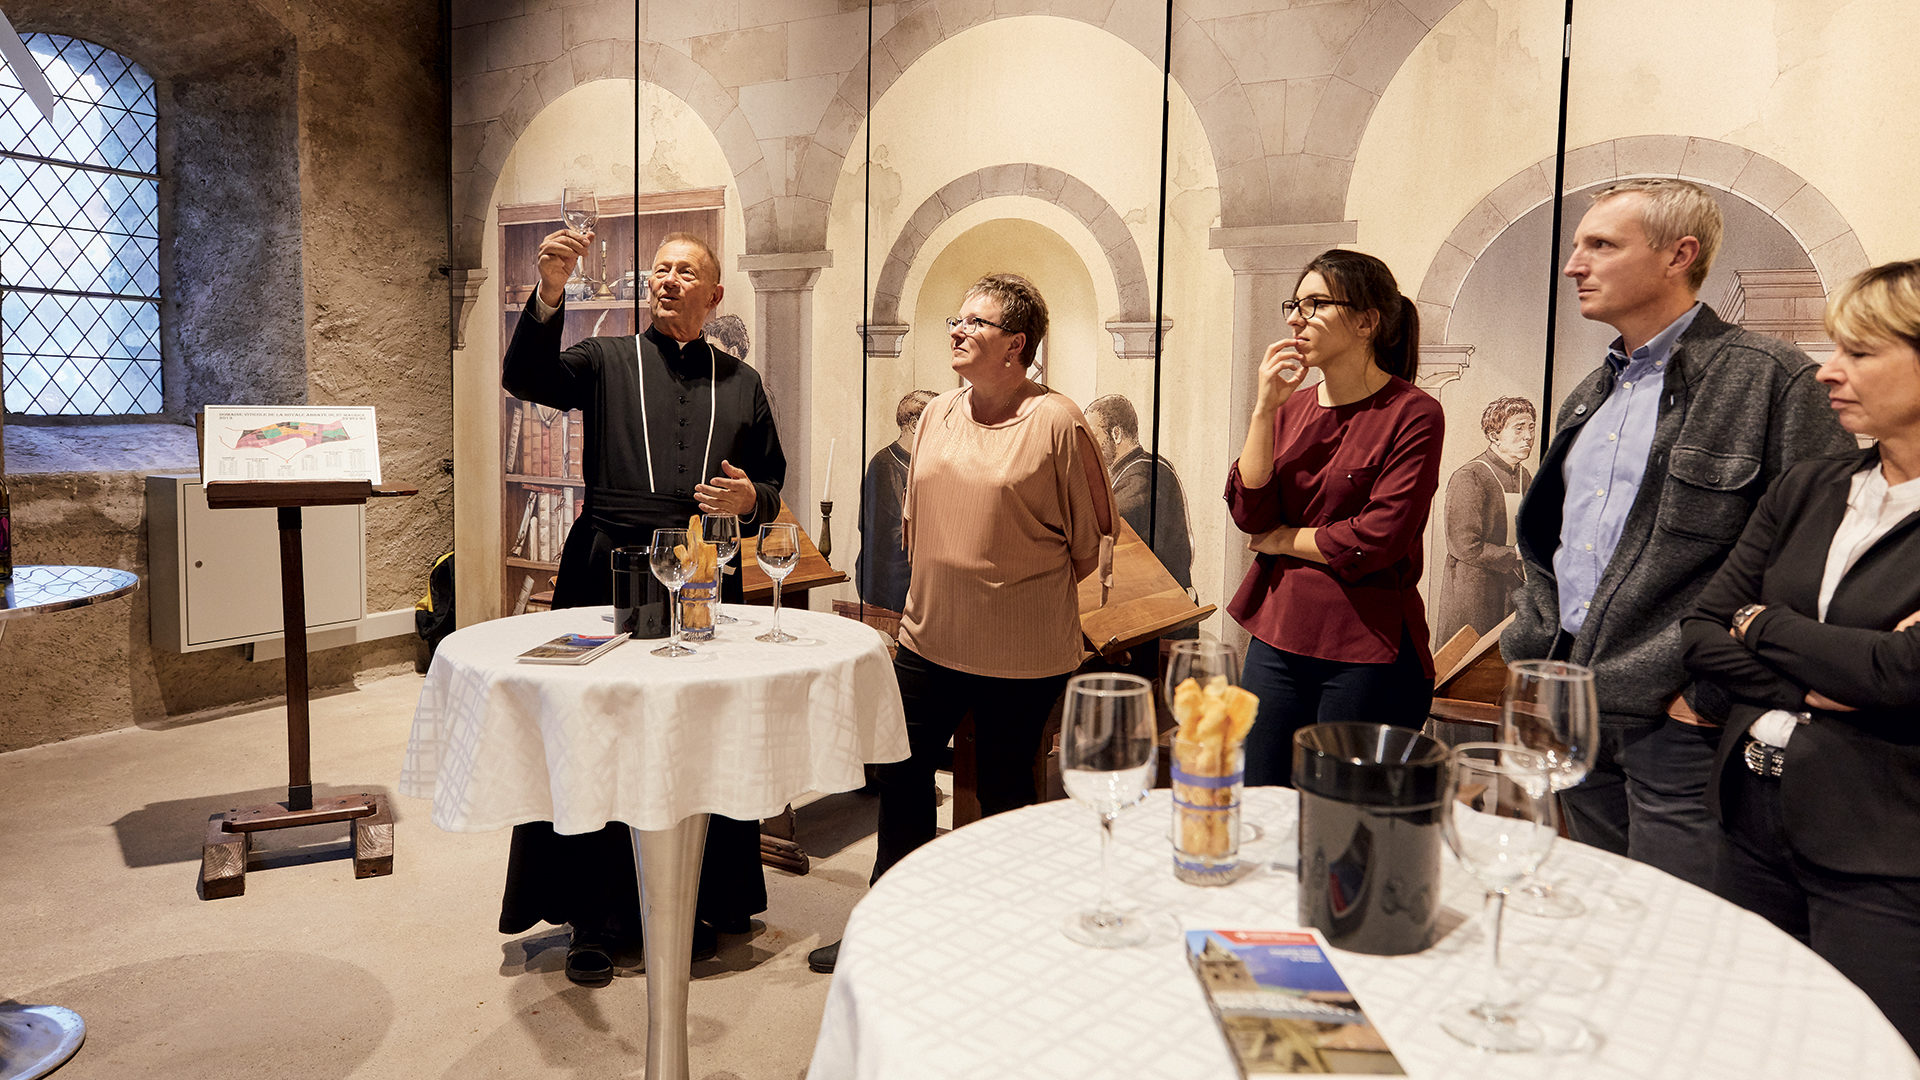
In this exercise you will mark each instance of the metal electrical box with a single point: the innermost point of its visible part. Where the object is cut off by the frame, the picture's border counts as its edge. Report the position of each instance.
(216, 573)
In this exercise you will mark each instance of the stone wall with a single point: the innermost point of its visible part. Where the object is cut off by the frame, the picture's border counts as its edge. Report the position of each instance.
(304, 194)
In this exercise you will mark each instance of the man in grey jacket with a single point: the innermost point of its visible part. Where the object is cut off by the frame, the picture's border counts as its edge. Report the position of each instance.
(1656, 460)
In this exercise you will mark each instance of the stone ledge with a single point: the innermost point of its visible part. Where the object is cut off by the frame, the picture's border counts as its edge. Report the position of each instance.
(100, 448)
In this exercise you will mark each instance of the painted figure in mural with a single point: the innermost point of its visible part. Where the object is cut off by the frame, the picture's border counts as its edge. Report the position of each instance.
(882, 572)
(674, 427)
(1335, 485)
(1005, 480)
(728, 333)
(1812, 629)
(1656, 460)
(1135, 472)
(1483, 499)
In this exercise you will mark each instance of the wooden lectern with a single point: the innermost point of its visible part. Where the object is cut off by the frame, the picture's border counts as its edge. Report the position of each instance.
(223, 861)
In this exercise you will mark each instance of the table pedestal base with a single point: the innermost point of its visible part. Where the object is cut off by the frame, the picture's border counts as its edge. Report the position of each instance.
(223, 860)
(669, 861)
(37, 1039)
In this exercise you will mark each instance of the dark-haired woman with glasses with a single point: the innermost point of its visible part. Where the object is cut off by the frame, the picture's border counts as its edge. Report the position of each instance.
(1334, 485)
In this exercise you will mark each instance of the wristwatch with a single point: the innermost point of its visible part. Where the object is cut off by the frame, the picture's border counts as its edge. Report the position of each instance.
(1741, 618)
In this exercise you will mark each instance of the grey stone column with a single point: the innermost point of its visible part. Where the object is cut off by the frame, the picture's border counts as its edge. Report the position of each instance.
(1266, 260)
(783, 354)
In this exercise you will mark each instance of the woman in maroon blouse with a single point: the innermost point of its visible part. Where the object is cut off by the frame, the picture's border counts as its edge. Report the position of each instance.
(1334, 486)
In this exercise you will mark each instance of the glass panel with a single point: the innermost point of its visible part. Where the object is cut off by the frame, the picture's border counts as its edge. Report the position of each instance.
(80, 355)
(76, 228)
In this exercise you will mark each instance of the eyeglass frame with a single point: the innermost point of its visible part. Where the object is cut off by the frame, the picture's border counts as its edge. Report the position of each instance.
(955, 322)
(1309, 306)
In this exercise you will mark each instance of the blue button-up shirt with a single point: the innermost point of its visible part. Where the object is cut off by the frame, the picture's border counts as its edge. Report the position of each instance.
(1605, 466)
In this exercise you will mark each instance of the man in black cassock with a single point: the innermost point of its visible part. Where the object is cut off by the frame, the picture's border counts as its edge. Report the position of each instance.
(673, 427)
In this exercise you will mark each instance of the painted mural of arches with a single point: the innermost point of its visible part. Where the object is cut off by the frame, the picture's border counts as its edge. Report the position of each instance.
(592, 61)
(1222, 64)
(1233, 69)
(1800, 208)
(1019, 178)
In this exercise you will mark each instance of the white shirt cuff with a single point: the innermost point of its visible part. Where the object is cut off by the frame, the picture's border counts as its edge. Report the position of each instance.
(541, 312)
(1774, 727)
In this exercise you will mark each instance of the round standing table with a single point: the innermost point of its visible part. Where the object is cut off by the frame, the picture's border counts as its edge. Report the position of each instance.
(37, 1039)
(741, 728)
(955, 966)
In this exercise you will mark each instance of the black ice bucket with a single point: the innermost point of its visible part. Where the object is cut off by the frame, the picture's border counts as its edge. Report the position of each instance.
(639, 600)
(1370, 840)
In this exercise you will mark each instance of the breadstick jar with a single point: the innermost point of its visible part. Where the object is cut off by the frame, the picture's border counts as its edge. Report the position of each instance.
(702, 590)
(1208, 774)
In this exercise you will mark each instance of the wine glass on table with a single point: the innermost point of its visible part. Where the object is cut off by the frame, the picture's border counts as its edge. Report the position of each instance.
(1549, 707)
(1106, 763)
(1498, 817)
(723, 532)
(668, 565)
(777, 549)
(1203, 662)
(580, 208)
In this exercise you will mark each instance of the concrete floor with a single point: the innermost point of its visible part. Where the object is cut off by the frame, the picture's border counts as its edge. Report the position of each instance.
(315, 974)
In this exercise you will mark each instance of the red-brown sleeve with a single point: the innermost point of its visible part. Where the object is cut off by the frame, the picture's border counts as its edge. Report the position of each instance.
(1388, 524)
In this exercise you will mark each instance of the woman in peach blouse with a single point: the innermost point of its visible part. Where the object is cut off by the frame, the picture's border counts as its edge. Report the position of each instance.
(1008, 506)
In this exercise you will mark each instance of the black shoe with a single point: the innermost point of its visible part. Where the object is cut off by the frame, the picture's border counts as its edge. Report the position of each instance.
(588, 965)
(739, 924)
(824, 958)
(628, 956)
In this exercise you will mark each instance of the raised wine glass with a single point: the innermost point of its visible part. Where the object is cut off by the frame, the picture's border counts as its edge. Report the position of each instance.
(1549, 707)
(1499, 820)
(777, 549)
(580, 207)
(723, 532)
(1106, 763)
(667, 565)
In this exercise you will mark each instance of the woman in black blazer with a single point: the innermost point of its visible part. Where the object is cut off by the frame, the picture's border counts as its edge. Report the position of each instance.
(1809, 630)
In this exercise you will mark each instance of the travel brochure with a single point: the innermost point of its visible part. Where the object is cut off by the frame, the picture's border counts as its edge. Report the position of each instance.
(571, 649)
(1283, 1008)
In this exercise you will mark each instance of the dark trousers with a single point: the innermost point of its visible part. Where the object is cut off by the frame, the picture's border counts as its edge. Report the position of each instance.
(1009, 716)
(1867, 927)
(589, 879)
(1296, 691)
(1646, 798)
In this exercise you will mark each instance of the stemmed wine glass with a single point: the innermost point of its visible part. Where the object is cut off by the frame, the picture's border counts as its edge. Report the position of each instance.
(1499, 820)
(723, 532)
(1549, 707)
(1201, 661)
(777, 549)
(672, 572)
(581, 209)
(1106, 763)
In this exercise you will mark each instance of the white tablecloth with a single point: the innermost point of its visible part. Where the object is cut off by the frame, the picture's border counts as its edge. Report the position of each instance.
(954, 966)
(740, 729)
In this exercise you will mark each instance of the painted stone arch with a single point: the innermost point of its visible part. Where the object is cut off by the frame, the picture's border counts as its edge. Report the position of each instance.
(1783, 194)
(1260, 184)
(591, 61)
(1019, 178)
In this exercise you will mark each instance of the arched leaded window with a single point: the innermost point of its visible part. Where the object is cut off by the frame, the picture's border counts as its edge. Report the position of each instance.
(80, 237)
